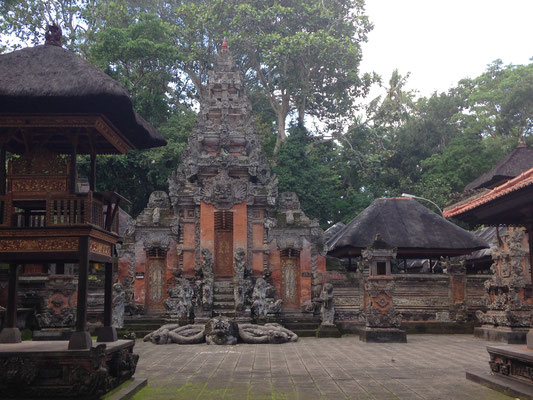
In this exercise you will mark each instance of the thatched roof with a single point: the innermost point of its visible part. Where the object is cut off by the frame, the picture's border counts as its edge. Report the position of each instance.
(333, 230)
(520, 160)
(416, 231)
(48, 80)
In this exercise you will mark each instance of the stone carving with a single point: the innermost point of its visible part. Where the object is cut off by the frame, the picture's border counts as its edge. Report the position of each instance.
(379, 308)
(87, 376)
(268, 333)
(223, 191)
(179, 304)
(173, 333)
(221, 331)
(205, 280)
(505, 288)
(60, 311)
(119, 303)
(327, 309)
(242, 282)
(261, 306)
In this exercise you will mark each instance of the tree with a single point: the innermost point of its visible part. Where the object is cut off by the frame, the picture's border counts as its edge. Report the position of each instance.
(304, 54)
(27, 21)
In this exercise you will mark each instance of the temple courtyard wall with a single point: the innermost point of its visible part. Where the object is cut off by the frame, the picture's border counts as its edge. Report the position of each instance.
(433, 303)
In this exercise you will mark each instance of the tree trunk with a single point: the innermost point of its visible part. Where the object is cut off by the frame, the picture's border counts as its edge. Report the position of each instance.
(281, 116)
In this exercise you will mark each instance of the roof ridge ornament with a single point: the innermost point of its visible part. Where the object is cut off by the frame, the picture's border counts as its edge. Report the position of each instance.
(53, 35)
(224, 45)
(521, 141)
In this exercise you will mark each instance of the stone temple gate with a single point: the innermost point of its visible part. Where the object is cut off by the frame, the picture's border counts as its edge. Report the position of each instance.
(222, 241)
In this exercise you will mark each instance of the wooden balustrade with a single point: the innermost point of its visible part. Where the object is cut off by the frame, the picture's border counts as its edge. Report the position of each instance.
(56, 210)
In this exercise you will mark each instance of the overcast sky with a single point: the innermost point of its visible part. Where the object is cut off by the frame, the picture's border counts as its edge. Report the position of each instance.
(443, 41)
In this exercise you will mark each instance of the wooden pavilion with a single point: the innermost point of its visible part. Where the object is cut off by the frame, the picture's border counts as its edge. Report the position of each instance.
(509, 204)
(55, 106)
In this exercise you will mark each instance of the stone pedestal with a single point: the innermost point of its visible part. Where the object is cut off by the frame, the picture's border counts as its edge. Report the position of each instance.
(502, 334)
(382, 321)
(328, 330)
(107, 334)
(10, 335)
(382, 335)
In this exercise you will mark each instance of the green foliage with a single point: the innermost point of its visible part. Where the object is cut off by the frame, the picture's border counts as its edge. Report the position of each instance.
(138, 173)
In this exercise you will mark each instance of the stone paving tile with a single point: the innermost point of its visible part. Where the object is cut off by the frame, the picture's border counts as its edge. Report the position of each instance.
(427, 367)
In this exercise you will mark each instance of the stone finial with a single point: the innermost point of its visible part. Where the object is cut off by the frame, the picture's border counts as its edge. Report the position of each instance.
(224, 45)
(53, 35)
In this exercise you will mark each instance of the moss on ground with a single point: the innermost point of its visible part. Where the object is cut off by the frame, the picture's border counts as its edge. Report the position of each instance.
(199, 390)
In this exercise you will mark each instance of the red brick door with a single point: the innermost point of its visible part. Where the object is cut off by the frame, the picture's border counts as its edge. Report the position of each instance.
(290, 278)
(223, 244)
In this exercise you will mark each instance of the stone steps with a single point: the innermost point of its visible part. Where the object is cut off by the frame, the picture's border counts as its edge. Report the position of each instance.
(223, 298)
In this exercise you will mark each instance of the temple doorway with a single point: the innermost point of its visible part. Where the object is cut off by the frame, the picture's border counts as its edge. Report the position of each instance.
(155, 280)
(223, 244)
(290, 282)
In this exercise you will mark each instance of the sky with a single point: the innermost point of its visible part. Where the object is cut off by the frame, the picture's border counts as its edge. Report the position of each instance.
(442, 41)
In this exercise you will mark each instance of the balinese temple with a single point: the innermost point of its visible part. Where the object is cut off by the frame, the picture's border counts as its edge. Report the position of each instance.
(55, 106)
(222, 241)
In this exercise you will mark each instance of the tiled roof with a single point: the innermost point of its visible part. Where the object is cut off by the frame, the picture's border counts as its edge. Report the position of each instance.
(521, 181)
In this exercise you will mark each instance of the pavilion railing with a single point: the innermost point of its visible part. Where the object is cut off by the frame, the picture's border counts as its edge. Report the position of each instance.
(57, 210)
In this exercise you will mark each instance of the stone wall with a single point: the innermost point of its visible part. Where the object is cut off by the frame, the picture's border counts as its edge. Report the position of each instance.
(418, 297)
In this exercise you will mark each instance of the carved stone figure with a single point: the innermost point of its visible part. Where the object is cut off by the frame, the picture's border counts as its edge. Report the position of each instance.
(207, 281)
(173, 333)
(241, 281)
(221, 331)
(327, 309)
(260, 304)
(268, 333)
(179, 304)
(119, 302)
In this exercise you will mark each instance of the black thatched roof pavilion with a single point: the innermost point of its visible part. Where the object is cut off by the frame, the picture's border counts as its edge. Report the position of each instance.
(414, 230)
(43, 87)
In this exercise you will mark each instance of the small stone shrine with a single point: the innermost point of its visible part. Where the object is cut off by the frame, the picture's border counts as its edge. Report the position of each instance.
(382, 321)
(508, 316)
(216, 245)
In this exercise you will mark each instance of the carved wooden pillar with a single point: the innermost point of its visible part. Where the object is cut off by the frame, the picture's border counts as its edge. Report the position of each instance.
(73, 167)
(81, 339)
(2, 171)
(92, 176)
(108, 333)
(10, 333)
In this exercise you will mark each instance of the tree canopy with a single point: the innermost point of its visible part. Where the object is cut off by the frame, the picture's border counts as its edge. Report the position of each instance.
(300, 60)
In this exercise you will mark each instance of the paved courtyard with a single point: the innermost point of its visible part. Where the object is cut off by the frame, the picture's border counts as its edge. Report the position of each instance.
(427, 367)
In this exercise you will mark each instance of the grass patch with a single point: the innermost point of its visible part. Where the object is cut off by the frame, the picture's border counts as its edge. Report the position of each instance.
(112, 392)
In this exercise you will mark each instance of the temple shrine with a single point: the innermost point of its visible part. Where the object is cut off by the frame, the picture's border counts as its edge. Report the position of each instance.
(54, 107)
(222, 241)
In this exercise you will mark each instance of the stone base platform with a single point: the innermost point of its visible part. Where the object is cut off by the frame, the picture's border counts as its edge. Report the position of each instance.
(511, 371)
(52, 334)
(382, 335)
(324, 331)
(48, 370)
(502, 334)
(508, 386)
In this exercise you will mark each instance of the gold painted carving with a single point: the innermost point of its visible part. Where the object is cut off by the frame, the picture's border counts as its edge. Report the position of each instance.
(37, 245)
(100, 248)
(38, 185)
